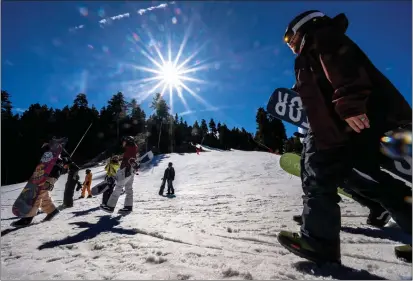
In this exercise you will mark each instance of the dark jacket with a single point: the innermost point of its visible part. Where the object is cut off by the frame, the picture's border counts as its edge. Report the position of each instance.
(336, 80)
(169, 174)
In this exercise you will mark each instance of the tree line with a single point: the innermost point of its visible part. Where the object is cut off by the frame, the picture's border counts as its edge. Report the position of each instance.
(24, 133)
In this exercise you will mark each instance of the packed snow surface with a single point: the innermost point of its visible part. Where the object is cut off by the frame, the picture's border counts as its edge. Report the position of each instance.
(223, 223)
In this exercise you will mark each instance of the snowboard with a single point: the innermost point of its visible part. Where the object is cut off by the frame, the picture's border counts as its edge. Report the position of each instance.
(290, 162)
(24, 202)
(286, 105)
(100, 188)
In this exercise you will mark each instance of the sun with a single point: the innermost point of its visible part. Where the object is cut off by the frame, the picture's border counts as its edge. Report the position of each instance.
(170, 74)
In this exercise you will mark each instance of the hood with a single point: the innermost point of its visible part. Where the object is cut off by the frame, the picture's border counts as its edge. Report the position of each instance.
(340, 22)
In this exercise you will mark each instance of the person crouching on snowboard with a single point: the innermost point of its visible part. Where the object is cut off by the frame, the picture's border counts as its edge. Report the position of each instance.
(168, 176)
(350, 104)
(124, 178)
(111, 169)
(44, 201)
(86, 185)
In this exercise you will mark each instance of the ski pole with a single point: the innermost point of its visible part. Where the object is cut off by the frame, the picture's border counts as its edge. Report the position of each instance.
(81, 139)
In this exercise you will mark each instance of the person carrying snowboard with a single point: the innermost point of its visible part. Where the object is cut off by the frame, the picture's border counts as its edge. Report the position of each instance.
(86, 185)
(111, 169)
(350, 104)
(124, 178)
(168, 176)
(44, 202)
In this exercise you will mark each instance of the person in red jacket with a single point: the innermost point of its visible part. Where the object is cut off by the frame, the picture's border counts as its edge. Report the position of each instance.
(124, 178)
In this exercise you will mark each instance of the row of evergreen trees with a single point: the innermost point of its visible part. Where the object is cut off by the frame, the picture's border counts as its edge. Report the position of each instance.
(23, 134)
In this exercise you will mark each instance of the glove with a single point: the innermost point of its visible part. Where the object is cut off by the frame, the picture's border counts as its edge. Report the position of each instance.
(48, 186)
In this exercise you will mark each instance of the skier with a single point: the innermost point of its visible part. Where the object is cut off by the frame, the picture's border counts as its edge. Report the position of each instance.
(86, 185)
(44, 202)
(378, 216)
(168, 176)
(111, 169)
(350, 105)
(124, 178)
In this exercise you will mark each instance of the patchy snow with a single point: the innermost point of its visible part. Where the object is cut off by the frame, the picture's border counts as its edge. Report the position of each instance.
(222, 225)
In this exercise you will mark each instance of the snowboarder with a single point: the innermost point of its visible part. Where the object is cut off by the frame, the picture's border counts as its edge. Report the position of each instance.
(168, 176)
(350, 105)
(111, 169)
(86, 185)
(124, 178)
(44, 202)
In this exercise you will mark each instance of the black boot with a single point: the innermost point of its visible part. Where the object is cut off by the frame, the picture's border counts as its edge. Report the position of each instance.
(298, 219)
(404, 252)
(50, 216)
(23, 222)
(125, 210)
(106, 208)
(378, 218)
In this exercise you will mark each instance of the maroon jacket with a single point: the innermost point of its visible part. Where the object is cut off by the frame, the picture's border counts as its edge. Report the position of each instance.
(130, 152)
(336, 80)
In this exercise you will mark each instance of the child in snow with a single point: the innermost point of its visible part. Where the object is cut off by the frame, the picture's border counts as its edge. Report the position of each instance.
(168, 176)
(111, 169)
(124, 178)
(86, 185)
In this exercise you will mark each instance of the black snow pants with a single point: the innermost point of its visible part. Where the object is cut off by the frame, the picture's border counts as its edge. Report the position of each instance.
(72, 180)
(357, 163)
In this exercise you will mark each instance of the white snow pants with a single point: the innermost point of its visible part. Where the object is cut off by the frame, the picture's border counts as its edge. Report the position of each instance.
(122, 181)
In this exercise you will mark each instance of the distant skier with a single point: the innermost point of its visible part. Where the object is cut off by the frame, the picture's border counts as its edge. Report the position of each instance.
(350, 104)
(169, 177)
(111, 169)
(124, 178)
(86, 184)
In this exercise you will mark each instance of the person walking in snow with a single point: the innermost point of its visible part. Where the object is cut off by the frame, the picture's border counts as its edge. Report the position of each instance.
(169, 177)
(124, 178)
(44, 202)
(86, 184)
(350, 104)
(111, 169)
(72, 183)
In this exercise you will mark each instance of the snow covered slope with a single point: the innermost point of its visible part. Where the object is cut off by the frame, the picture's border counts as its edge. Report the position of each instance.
(222, 225)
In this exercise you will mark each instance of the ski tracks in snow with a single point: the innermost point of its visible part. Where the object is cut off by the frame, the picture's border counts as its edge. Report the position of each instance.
(222, 225)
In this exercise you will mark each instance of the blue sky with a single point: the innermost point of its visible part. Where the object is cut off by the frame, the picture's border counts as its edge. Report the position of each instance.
(52, 50)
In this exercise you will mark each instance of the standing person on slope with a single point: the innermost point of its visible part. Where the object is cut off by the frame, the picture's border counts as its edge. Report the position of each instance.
(169, 177)
(124, 178)
(350, 105)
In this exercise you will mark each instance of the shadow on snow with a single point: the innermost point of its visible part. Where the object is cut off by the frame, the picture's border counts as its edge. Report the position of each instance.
(105, 224)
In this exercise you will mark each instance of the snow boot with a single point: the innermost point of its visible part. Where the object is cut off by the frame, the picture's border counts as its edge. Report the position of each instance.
(80, 197)
(50, 216)
(23, 222)
(106, 208)
(90, 196)
(125, 210)
(317, 251)
(404, 252)
(378, 219)
(298, 219)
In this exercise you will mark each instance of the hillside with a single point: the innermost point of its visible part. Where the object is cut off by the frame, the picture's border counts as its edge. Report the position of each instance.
(223, 223)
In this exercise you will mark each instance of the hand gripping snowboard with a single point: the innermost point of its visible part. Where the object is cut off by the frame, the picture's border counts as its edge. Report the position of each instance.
(290, 162)
(24, 203)
(286, 105)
